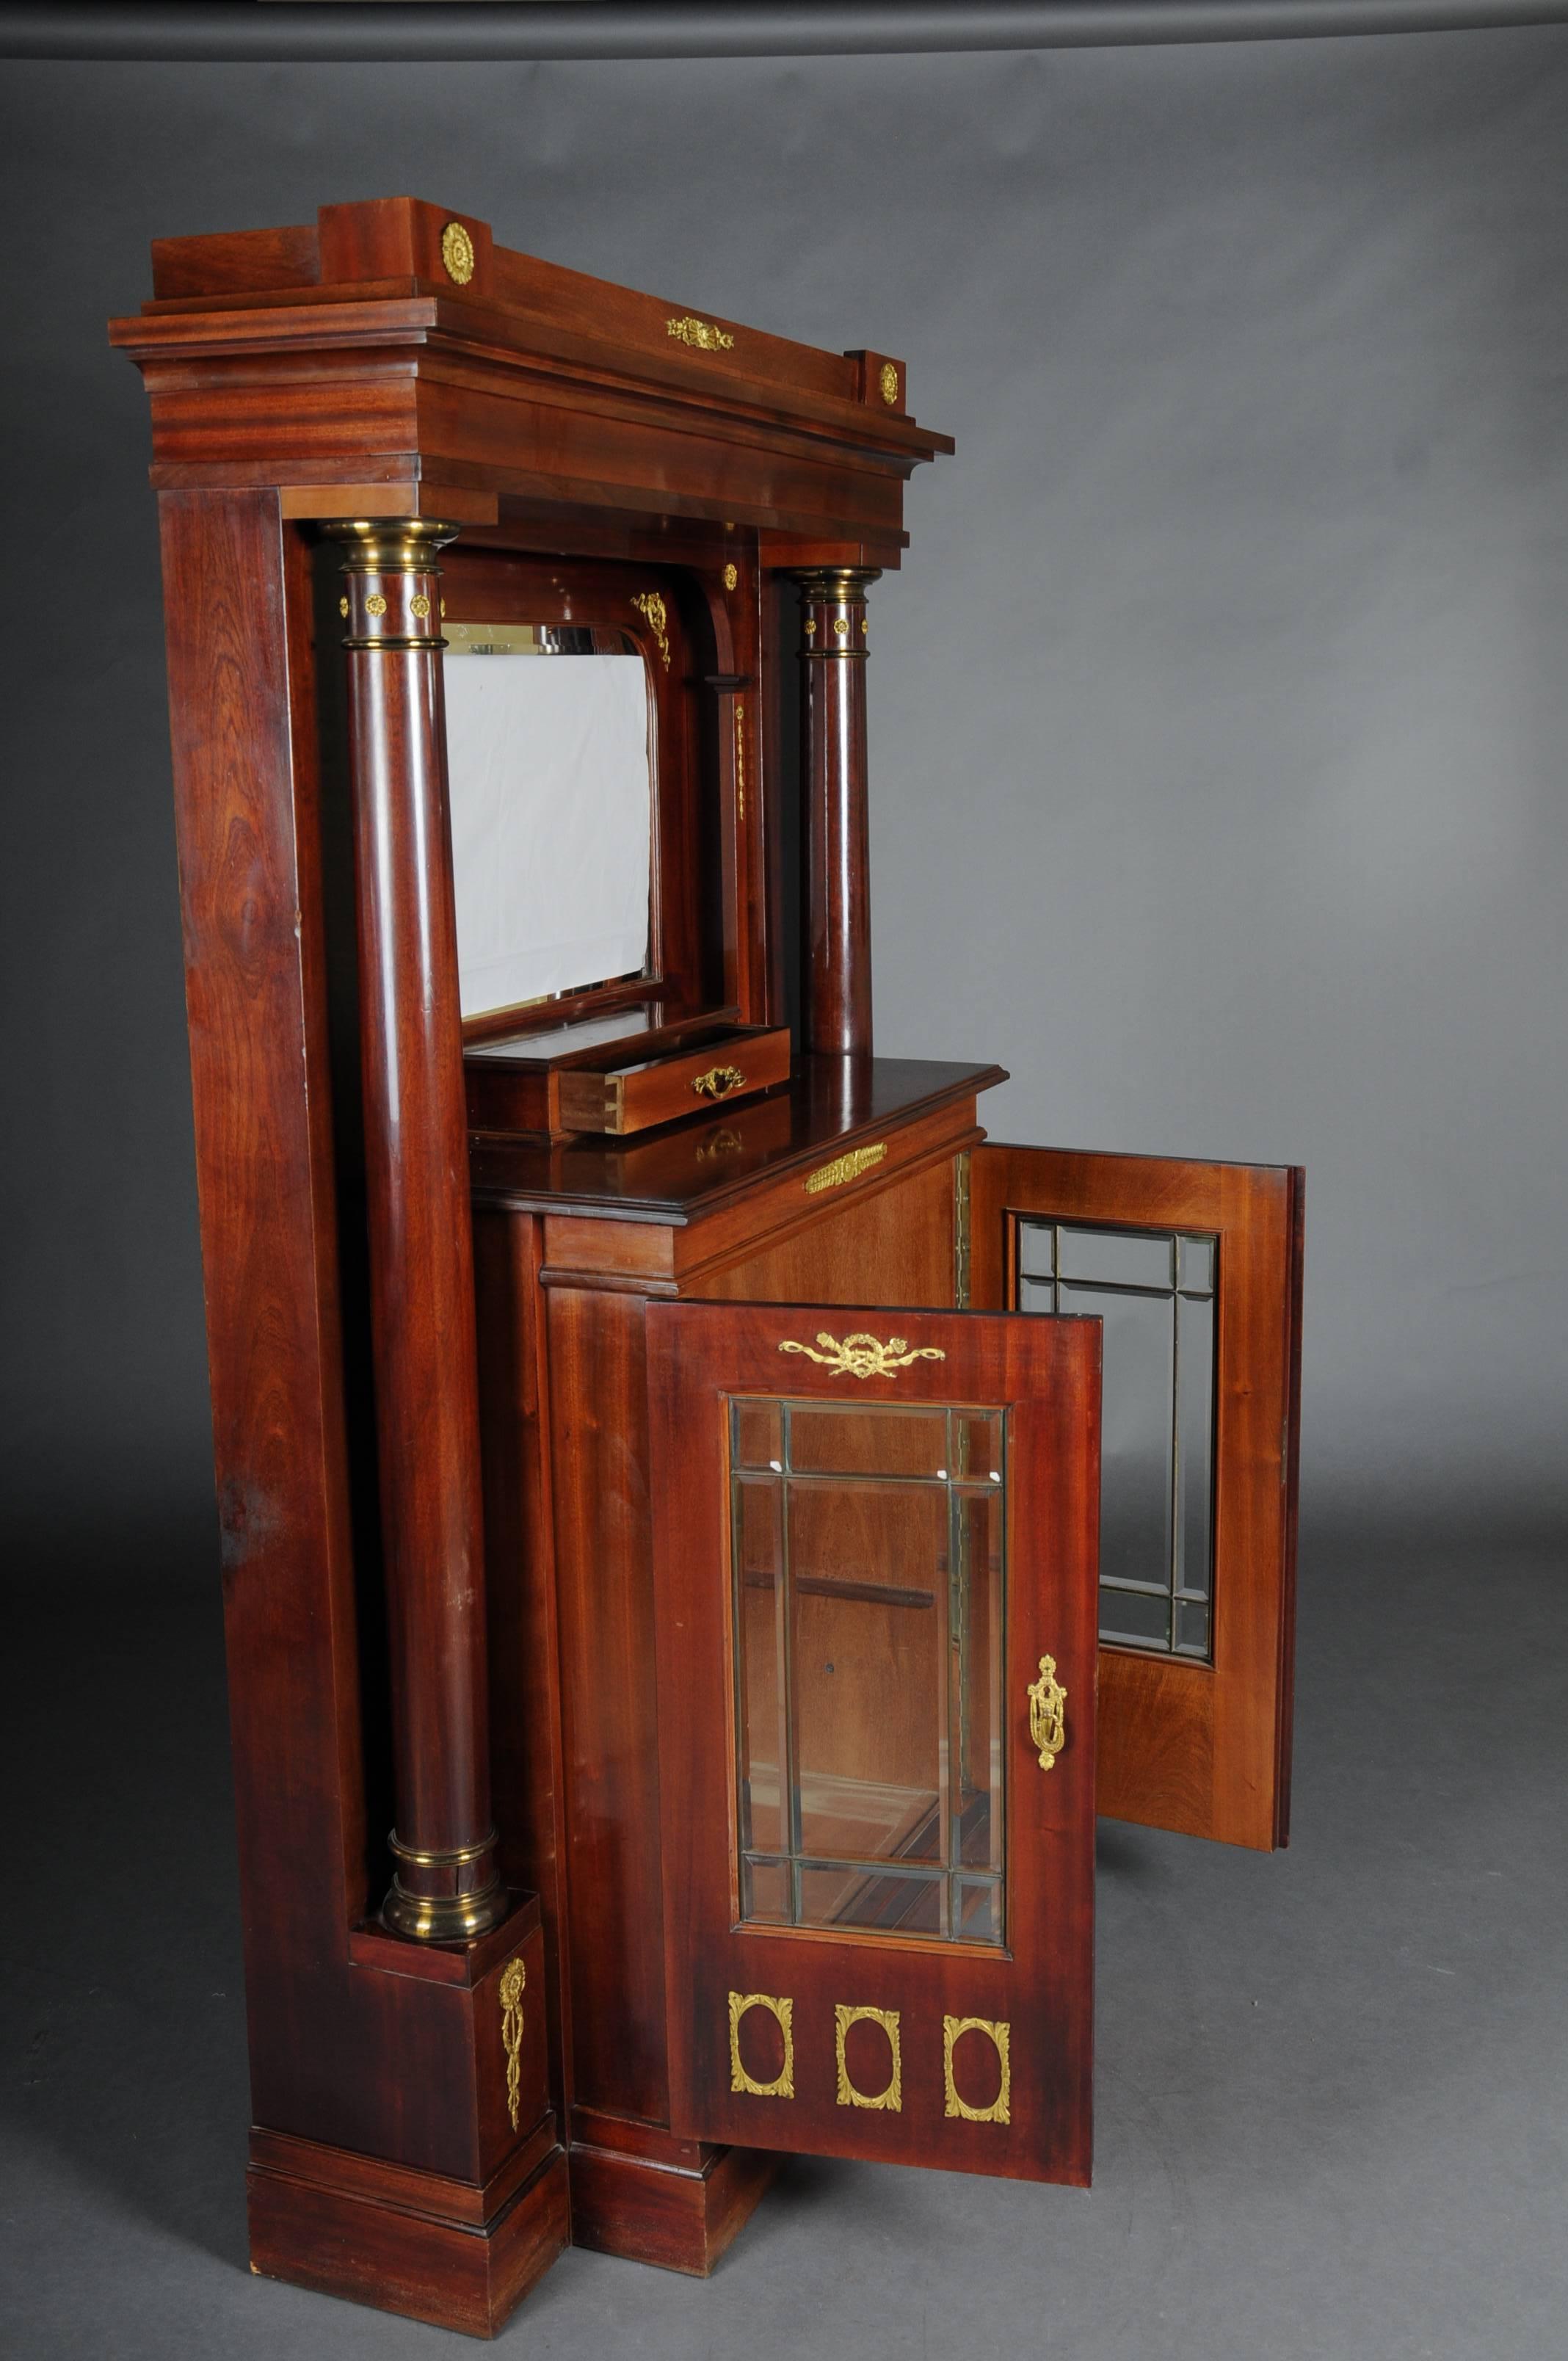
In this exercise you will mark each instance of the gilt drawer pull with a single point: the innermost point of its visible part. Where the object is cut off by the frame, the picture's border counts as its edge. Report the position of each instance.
(718, 1081)
(1048, 1713)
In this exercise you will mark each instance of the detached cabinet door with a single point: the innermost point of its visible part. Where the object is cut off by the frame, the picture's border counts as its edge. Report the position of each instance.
(1195, 1271)
(875, 1561)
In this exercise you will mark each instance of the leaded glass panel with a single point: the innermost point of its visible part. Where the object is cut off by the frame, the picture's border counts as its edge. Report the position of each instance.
(867, 1553)
(1155, 1292)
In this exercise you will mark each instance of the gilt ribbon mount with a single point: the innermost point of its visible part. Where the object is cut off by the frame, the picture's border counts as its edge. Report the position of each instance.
(864, 1356)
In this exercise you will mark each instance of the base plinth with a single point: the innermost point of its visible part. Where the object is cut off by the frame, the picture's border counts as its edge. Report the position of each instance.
(681, 2216)
(381, 2234)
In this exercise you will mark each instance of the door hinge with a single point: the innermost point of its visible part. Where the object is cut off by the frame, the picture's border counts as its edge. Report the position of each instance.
(961, 1231)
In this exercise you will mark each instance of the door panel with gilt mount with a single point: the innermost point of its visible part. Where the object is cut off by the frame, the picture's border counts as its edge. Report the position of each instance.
(875, 1568)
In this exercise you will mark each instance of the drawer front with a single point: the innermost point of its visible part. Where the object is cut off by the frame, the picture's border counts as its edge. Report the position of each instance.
(662, 1090)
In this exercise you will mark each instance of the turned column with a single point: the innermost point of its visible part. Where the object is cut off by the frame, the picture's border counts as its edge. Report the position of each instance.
(835, 971)
(446, 1886)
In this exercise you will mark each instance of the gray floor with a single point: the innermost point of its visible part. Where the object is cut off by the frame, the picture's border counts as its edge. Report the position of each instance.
(1332, 2090)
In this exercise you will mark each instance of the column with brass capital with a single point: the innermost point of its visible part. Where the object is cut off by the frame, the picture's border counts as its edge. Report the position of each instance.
(446, 1886)
(835, 970)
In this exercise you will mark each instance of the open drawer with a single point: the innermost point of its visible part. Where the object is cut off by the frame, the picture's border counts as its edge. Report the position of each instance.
(562, 1083)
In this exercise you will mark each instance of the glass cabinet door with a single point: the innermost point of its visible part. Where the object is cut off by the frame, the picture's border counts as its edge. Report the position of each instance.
(876, 1563)
(1195, 1270)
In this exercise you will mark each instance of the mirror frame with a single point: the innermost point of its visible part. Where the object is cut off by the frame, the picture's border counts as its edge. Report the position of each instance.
(652, 607)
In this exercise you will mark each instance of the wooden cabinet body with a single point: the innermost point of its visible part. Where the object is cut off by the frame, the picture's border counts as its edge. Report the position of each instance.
(563, 1293)
(573, 1515)
(485, 1326)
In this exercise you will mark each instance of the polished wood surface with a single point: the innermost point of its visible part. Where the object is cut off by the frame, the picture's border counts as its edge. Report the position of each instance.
(1047, 1376)
(347, 2227)
(247, 811)
(509, 1077)
(835, 971)
(512, 1082)
(893, 1243)
(718, 1066)
(834, 1108)
(347, 371)
(520, 1583)
(599, 1473)
(421, 1267)
(682, 2217)
(634, 2191)
(351, 2052)
(317, 2166)
(351, 360)
(1201, 1747)
(663, 1257)
(397, 242)
(587, 1573)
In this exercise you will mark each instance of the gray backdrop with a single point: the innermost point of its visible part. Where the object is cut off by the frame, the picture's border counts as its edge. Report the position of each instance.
(1218, 721)
(1217, 732)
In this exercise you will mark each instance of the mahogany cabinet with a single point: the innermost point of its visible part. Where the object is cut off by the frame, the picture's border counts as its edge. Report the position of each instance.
(704, 1530)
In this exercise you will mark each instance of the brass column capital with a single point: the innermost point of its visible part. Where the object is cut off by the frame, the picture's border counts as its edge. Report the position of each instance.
(391, 545)
(385, 606)
(833, 610)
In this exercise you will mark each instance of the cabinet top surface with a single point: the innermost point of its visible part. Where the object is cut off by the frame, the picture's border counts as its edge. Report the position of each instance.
(832, 1108)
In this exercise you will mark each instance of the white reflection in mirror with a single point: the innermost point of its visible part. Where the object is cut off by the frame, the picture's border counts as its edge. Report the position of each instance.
(550, 782)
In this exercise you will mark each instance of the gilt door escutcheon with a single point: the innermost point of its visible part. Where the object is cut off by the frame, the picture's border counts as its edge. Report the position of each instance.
(1048, 1713)
(718, 1081)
